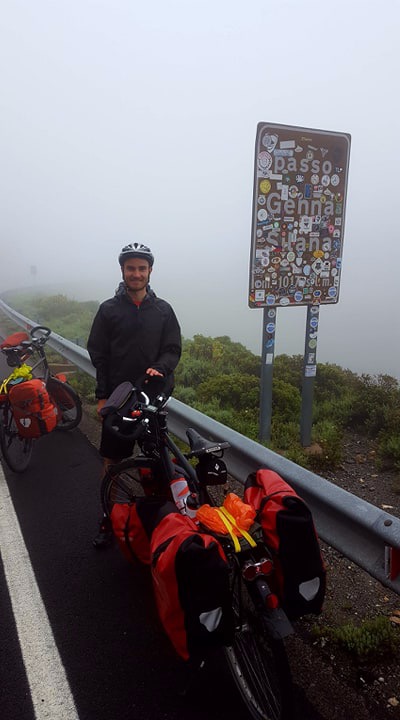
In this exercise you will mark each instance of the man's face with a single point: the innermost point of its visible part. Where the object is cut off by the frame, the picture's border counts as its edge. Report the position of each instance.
(136, 274)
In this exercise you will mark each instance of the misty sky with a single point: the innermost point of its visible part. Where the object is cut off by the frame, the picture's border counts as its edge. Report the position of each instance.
(124, 121)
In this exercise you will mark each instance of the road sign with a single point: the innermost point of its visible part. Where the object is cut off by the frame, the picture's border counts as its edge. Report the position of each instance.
(300, 184)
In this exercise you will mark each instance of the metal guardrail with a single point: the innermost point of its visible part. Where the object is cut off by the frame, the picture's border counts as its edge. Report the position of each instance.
(364, 533)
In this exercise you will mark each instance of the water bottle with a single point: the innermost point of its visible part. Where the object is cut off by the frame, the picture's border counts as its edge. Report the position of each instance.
(184, 499)
(180, 493)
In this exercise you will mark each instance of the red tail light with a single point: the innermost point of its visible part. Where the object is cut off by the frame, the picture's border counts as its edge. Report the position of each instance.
(252, 569)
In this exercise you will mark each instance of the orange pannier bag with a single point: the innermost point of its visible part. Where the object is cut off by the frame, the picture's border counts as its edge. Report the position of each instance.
(34, 413)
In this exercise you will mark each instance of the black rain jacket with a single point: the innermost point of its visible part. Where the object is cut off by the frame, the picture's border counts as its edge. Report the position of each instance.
(125, 340)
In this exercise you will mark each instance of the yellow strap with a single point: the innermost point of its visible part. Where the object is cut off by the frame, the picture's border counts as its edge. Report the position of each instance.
(228, 526)
(245, 534)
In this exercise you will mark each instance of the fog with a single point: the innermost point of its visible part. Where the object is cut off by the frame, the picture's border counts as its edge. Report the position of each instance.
(123, 122)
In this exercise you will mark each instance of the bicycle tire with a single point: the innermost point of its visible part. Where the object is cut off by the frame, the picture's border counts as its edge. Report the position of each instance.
(122, 483)
(259, 664)
(68, 404)
(16, 450)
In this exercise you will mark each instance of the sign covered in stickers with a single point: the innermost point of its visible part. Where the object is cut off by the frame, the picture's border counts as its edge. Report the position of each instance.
(300, 184)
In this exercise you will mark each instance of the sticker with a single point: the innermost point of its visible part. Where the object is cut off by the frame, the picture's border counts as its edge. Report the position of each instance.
(270, 299)
(265, 186)
(335, 180)
(260, 295)
(270, 141)
(262, 214)
(317, 293)
(291, 256)
(261, 199)
(325, 180)
(314, 322)
(264, 162)
(311, 358)
(284, 301)
(310, 371)
(332, 292)
(315, 179)
(271, 313)
(283, 153)
(269, 358)
(314, 310)
(312, 344)
(270, 328)
(287, 144)
(298, 296)
(270, 343)
(259, 233)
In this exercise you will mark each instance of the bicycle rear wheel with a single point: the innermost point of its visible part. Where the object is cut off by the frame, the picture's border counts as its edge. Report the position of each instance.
(68, 404)
(258, 663)
(16, 450)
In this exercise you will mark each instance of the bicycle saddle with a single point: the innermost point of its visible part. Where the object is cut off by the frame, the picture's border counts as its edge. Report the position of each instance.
(200, 446)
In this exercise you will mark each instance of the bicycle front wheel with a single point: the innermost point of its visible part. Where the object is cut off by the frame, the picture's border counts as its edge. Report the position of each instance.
(259, 663)
(16, 450)
(68, 404)
(128, 480)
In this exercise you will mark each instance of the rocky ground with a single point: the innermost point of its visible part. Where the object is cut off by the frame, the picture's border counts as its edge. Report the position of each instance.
(338, 687)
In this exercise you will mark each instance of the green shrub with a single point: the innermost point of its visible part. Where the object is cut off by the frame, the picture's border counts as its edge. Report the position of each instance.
(388, 454)
(375, 637)
(286, 401)
(329, 437)
(84, 385)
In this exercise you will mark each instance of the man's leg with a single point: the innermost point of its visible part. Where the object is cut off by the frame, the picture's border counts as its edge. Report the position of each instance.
(104, 536)
(112, 450)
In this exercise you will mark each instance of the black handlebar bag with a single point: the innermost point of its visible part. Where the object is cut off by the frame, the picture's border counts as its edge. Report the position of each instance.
(299, 578)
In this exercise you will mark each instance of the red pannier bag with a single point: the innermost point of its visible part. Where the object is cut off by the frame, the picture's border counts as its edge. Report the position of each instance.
(14, 339)
(34, 413)
(189, 571)
(299, 579)
(191, 585)
(129, 522)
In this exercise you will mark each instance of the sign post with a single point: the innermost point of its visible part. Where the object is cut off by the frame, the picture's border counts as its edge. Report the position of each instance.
(299, 199)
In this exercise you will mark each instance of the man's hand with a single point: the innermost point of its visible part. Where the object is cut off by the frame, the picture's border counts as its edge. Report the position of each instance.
(153, 372)
(100, 405)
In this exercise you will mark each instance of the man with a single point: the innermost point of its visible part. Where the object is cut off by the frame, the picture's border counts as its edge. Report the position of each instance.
(133, 334)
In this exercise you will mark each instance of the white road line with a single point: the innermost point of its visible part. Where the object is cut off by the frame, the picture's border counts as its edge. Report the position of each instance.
(51, 695)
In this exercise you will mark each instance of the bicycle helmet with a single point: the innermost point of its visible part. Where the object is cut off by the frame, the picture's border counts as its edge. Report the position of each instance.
(136, 250)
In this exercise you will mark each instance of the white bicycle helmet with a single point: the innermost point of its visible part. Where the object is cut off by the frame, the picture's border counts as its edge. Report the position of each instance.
(136, 250)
